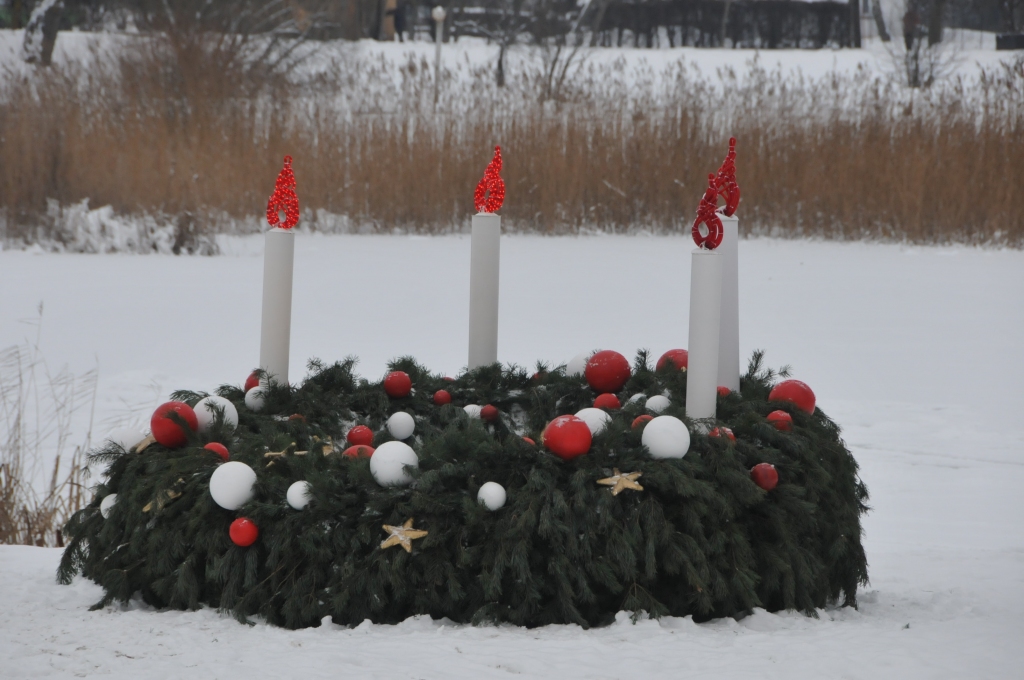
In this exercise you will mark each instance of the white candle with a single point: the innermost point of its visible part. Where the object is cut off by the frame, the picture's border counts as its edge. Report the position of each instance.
(705, 317)
(276, 331)
(484, 259)
(729, 333)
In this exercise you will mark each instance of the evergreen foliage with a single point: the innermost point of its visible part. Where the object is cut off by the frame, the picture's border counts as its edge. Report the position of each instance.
(701, 539)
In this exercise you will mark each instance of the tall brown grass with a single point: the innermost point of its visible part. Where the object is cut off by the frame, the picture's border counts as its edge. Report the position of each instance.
(160, 129)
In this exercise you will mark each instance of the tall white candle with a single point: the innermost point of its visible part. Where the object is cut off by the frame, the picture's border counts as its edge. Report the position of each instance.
(276, 330)
(729, 333)
(485, 250)
(705, 318)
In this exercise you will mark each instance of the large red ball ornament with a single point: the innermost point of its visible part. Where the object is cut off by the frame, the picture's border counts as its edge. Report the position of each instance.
(489, 413)
(442, 397)
(398, 384)
(168, 432)
(679, 358)
(640, 421)
(243, 532)
(358, 451)
(219, 449)
(765, 476)
(252, 381)
(607, 401)
(360, 434)
(795, 392)
(782, 421)
(724, 391)
(607, 371)
(567, 437)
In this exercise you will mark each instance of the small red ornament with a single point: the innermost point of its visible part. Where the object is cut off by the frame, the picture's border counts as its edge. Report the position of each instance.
(284, 198)
(168, 432)
(707, 214)
(252, 381)
(567, 437)
(679, 358)
(398, 384)
(724, 391)
(640, 421)
(243, 532)
(607, 371)
(722, 432)
(765, 476)
(782, 421)
(607, 401)
(360, 435)
(795, 392)
(490, 192)
(448, 379)
(529, 441)
(219, 449)
(297, 417)
(489, 413)
(725, 182)
(358, 451)
(442, 397)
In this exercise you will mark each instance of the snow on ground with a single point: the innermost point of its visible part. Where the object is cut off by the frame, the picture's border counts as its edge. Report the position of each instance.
(915, 351)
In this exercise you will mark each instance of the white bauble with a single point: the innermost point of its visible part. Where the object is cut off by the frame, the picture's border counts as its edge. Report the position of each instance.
(491, 495)
(595, 418)
(387, 464)
(255, 398)
(107, 504)
(578, 364)
(298, 495)
(207, 409)
(657, 403)
(401, 425)
(637, 397)
(127, 437)
(231, 484)
(472, 410)
(666, 437)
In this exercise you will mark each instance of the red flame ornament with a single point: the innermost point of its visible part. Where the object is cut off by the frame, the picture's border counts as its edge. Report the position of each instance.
(490, 192)
(707, 214)
(725, 182)
(284, 198)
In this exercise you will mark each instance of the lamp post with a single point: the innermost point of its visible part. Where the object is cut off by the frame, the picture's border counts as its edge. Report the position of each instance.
(438, 15)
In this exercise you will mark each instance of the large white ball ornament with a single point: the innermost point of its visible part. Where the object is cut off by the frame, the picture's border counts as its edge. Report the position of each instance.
(298, 495)
(666, 437)
(637, 397)
(657, 403)
(472, 410)
(578, 364)
(491, 495)
(255, 398)
(401, 425)
(232, 484)
(595, 418)
(107, 504)
(207, 409)
(127, 437)
(387, 464)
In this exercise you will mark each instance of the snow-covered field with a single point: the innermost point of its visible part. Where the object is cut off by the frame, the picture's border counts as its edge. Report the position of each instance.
(914, 351)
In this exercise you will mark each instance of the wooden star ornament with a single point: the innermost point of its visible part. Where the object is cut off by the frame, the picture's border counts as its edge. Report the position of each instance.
(621, 481)
(403, 536)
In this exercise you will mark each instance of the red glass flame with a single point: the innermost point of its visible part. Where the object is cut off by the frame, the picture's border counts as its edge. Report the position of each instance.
(725, 182)
(284, 198)
(490, 192)
(707, 213)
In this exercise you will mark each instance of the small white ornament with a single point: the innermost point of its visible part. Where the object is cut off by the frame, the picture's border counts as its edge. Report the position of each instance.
(596, 419)
(255, 398)
(207, 409)
(387, 464)
(637, 397)
(231, 484)
(401, 425)
(299, 495)
(127, 437)
(472, 410)
(491, 495)
(578, 364)
(666, 437)
(657, 403)
(107, 504)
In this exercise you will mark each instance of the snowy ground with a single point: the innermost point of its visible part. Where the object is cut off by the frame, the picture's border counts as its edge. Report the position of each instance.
(914, 351)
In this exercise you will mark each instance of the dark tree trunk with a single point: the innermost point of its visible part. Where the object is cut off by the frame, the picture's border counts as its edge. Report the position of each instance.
(935, 21)
(876, 13)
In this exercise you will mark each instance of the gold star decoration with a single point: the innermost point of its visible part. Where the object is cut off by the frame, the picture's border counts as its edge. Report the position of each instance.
(403, 535)
(620, 482)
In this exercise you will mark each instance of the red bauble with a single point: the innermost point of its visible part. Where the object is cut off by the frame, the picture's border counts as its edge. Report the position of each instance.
(795, 392)
(607, 371)
(398, 384)
(640, 421)
(448, 379)
(489, 413)
(358, 451)
(360, 435)
(782, 421)
(724, 391)
(607, 401)
(244, 532)
(722, 432)
(567, 437)
(442, 397)
(529, 441)
(219, 449)
(252, 381)
(168, 432)
(765, 476)
(680, 358)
